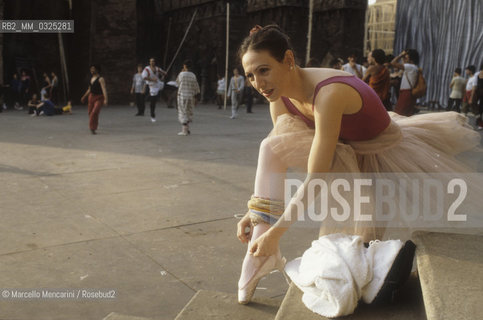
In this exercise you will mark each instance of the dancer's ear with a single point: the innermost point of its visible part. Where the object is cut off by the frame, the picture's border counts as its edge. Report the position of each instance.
(289, 59)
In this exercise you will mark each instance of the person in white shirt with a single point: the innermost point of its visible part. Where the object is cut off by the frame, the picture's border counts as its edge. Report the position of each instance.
(138, 88)
(188, 88)
(457, 87)
(220, 91)
(406, 102)
(476, 99)
(470, 83)
(235, 91)
(353, 67)
(153, 75)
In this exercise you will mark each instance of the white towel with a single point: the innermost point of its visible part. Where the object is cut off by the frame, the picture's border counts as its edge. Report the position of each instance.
(337, 271)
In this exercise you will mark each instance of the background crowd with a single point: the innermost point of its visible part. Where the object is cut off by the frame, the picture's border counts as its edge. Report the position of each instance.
(398, 82)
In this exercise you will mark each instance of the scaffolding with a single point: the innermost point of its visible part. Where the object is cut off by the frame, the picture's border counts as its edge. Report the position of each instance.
(380, 26)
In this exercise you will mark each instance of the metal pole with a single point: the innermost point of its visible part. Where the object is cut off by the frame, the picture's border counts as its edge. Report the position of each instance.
(167, 42)
(63, 67)
(182, 41)
(309, 31)
(227, 46)
(366, 32)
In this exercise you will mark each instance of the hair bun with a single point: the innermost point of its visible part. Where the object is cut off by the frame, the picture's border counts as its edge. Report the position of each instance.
(255, 29)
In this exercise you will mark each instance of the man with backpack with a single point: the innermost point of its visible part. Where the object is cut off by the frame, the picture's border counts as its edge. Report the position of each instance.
(153, 76)
(413, 85)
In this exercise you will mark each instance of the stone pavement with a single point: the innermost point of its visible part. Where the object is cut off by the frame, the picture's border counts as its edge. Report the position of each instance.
(135, 210)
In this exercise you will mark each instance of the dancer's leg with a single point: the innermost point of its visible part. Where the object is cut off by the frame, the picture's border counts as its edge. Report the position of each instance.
(269, 185)
(152, 105)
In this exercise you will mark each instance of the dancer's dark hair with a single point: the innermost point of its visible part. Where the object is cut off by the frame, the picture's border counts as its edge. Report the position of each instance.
(270, 38)
(98, 67)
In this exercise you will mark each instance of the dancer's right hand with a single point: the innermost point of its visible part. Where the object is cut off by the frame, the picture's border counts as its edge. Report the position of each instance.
(242, 226)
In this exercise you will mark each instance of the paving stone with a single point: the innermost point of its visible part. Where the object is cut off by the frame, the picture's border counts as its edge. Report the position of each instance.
(117, 316)
(221, 306)
(140, 286)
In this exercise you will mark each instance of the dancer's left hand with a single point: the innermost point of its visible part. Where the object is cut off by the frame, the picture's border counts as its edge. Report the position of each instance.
(265, 245)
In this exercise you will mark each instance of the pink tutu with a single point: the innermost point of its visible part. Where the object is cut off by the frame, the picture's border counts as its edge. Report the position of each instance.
(426, 143)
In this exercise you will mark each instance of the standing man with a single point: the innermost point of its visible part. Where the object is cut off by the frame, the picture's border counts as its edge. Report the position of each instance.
(353, 67)
(235, 91)
(153, 75)
(138, 88)
(476, 98)
(248, 96)
(470, 83)
(457, 87)
(188, 88)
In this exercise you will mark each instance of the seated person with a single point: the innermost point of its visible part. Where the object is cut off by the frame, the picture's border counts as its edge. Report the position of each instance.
(67, 108)
(47, 107)
(32, 104)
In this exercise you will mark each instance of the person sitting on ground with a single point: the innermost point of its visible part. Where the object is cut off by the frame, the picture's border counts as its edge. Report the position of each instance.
(47, 107)
(67, 108)
(32, 103)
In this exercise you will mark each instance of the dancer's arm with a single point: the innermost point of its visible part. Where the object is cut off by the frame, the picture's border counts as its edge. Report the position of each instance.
(330, 104)
(104, 90)
(368, 74)
(133, 84)
(395, 62)
(85, 95)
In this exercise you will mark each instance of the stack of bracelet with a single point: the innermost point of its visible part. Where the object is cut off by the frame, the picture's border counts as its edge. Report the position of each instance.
(265, 210)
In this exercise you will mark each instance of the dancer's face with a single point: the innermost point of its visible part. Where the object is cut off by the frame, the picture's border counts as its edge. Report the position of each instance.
(266, 74)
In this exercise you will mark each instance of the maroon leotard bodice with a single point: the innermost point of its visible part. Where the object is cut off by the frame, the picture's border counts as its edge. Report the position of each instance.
(365, 124)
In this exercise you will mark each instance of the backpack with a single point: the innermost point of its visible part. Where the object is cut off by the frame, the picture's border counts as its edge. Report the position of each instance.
(419, 90)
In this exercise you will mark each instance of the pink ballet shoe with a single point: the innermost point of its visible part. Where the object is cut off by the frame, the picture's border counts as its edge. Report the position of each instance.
(275, 262)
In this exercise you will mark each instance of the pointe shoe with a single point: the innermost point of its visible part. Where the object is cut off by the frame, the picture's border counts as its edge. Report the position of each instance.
(272, 263)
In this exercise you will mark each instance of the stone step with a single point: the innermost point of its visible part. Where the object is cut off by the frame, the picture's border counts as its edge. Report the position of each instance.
(407, 305)
(221, 306)
(451, 273)
(118, 316)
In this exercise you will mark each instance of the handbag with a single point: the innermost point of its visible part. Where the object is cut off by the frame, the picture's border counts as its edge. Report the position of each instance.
(419, 90)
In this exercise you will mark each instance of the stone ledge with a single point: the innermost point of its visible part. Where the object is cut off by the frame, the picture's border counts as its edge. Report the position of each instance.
(408, 305)
(451, 273)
